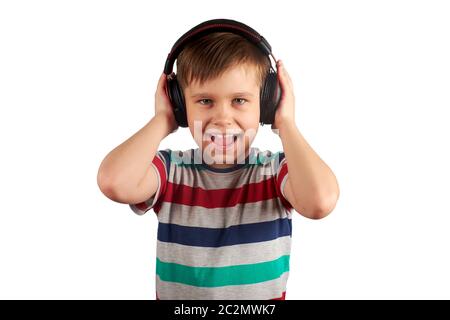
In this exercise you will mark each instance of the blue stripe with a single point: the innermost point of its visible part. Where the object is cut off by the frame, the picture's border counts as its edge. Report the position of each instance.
(218, 237)
(166, 154)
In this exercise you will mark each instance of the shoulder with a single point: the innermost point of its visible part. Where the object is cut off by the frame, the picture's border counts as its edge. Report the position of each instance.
(267, 162)
(164, 154)
(178, 156)
(268, 157)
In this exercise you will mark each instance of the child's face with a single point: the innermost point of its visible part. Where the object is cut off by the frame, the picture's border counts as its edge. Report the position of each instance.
(223, 115)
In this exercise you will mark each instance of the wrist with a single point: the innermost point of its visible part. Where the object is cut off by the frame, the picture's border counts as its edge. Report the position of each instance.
(164, 124)
(286, 127)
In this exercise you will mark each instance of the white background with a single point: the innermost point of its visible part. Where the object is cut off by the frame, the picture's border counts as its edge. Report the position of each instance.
(372, 86)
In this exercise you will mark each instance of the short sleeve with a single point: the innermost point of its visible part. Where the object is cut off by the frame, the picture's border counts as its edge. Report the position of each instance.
(281, 175)
(161, 165)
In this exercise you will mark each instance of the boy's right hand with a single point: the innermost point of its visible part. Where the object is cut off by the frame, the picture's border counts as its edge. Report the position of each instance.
(163, 107)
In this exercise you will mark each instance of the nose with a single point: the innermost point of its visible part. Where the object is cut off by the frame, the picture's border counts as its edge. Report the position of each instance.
(223, 115)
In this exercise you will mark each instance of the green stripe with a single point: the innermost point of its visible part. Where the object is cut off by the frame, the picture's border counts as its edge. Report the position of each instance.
(222, 276)
(200, 167)
(179, 161)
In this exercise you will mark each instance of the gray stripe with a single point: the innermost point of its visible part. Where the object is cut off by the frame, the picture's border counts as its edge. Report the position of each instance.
(194, 177)
(259, 291)
(223, 256)
(196, 216)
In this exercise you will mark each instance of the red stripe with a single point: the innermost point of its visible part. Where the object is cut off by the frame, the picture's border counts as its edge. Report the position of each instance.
(283, 297)
(159, 164)
(282, 173)
(216, 198)
(162, 172)
(158, 206)
(141, 206)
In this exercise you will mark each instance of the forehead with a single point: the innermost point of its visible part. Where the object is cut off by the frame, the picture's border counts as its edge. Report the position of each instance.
(240, 78)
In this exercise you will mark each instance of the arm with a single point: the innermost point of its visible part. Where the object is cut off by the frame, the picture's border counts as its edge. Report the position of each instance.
(125, 174)
(311, 187)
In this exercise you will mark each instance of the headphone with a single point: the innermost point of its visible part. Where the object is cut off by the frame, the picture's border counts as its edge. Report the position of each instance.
(270, 93)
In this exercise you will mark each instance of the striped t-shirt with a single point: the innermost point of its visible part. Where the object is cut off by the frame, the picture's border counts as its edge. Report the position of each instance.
(223, 233)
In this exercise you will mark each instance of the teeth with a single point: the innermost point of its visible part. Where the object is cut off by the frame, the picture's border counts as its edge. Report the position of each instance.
(224, 139)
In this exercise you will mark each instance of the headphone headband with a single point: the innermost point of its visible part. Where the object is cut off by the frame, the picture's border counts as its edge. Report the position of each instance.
(216, 25)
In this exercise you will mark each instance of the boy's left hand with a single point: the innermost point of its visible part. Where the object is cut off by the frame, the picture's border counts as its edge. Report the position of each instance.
(286, 108)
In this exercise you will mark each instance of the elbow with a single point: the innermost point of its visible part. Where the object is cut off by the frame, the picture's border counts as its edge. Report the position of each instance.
(321, 207)
(107, 184)
(104, 183)
(116, 188)
(321, 211)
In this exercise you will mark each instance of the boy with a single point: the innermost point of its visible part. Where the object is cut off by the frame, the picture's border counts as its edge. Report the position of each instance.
(224, 209)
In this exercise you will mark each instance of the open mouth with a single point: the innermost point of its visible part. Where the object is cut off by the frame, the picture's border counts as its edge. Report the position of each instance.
(224, 141)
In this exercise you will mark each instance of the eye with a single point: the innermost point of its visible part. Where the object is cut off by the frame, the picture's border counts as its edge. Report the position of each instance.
(241, 100)
(202, 100)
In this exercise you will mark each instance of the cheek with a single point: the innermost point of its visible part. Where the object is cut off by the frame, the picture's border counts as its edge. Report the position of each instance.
(196, 132)
(251, 116)
(250, 120)
(196, 121)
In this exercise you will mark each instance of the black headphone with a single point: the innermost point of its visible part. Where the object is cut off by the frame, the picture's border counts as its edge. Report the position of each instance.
(270, 91)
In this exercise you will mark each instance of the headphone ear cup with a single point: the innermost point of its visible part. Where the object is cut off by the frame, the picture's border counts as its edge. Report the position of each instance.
(269, 98)
(177, 99)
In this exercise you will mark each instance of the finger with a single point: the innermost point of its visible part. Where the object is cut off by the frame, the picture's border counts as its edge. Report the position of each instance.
(280, 71)
(162, 84)
(282, 78)
(287, 91)
(162, 79)
(285, 74)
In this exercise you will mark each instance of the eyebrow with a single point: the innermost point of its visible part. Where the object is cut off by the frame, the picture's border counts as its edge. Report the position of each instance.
(206, 94)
